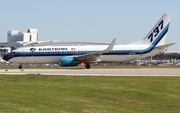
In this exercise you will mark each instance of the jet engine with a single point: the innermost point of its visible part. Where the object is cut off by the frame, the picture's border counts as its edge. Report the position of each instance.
(68, 61)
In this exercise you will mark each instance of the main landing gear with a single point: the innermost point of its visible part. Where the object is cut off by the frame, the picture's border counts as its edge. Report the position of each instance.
(88, 66)
(20, 67)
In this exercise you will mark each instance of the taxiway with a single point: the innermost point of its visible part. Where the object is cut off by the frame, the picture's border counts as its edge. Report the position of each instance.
(95, 72)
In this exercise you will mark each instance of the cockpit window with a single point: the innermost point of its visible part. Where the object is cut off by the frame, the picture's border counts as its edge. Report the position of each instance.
(13, 52)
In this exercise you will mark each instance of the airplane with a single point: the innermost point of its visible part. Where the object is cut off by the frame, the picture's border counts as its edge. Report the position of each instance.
(72, 55)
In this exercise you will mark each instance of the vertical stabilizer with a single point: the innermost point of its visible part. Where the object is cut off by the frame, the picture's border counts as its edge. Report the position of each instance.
(157, 36)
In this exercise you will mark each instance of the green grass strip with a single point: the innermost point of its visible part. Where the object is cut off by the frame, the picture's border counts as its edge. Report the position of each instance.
(88, 94)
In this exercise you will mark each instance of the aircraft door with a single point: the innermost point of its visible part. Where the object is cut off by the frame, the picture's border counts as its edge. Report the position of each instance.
(141, 51)
(76, 53)
(23, 57)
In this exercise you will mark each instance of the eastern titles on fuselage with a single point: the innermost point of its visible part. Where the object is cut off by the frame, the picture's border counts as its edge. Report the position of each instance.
(48, 49)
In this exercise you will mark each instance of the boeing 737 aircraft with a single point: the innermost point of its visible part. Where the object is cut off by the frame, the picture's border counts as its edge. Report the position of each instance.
(151, 45)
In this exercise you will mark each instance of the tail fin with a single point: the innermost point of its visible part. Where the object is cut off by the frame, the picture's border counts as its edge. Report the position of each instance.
(157, 36)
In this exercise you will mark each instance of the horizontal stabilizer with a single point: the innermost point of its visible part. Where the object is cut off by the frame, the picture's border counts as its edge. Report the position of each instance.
(165, 46)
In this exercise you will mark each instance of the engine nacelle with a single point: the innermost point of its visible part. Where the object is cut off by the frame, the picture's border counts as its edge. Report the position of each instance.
(68, 61)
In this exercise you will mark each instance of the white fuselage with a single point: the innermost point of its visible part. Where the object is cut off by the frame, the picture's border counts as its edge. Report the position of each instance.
(52, 54)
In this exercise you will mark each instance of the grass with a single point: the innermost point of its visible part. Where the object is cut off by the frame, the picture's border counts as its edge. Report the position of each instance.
(88, 94)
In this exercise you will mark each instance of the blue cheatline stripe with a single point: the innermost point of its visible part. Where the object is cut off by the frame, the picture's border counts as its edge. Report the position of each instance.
(115, 52)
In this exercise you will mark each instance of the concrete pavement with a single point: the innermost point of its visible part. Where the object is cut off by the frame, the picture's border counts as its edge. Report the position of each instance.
(96, 72)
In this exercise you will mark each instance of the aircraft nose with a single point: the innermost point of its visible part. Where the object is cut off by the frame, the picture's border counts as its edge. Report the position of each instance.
(5, 57)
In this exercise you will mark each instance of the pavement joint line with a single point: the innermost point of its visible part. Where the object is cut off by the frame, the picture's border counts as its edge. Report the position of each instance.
(81, 74)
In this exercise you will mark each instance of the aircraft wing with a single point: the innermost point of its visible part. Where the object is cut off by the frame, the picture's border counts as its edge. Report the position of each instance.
(93, 56)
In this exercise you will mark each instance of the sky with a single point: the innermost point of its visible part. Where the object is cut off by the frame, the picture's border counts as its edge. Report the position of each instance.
(90, 20)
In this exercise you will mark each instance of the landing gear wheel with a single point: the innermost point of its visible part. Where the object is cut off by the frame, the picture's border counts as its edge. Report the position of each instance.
(88, 66)
(20, 67)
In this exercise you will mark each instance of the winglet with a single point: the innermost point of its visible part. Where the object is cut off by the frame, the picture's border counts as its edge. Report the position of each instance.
(110, 46)
(93, 56)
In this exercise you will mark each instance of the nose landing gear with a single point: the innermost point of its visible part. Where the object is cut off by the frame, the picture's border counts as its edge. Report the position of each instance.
(20, 67)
